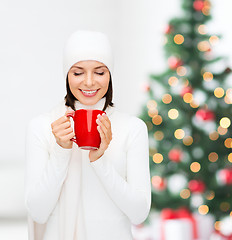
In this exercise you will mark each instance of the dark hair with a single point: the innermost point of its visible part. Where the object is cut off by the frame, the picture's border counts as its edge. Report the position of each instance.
(70, 98)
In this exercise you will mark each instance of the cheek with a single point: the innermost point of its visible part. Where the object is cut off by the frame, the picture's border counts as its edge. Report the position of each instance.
(73, 82)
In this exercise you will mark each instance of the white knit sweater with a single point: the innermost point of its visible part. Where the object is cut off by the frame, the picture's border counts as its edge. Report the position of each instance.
(69, 198)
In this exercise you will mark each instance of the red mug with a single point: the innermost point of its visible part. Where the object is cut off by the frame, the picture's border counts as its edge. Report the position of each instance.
(85, 128)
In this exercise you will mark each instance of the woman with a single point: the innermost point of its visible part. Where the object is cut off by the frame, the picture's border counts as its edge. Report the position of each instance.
(76, 194)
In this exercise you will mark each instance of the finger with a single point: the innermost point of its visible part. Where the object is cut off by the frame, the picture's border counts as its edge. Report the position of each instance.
(105, 120)
(67, 137)
(64, 125)
(65, 132)
(103, 138)
(60, 121)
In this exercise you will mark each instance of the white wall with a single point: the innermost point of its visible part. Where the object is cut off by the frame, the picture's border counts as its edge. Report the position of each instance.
(32, 38)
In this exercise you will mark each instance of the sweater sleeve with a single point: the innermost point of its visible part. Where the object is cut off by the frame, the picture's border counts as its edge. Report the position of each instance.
(45, 170)
(133, 195)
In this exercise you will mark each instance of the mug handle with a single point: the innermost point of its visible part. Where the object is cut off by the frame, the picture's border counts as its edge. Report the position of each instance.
(72, 116)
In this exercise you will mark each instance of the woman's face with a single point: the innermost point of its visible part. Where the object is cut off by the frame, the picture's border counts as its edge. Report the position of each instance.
(88, 81)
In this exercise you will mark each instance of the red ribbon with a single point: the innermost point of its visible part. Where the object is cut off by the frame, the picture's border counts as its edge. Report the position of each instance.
(181, 213)
(224, 236)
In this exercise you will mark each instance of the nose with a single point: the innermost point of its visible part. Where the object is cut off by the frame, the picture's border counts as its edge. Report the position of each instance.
(89, 80)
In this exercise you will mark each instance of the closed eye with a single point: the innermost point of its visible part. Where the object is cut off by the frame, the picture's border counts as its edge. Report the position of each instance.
(102, 73)
(77, 74)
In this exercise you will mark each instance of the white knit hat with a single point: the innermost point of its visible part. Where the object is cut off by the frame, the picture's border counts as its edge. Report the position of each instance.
(87, 45)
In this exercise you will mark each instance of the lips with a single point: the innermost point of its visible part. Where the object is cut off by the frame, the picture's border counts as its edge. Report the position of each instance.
(89, 93)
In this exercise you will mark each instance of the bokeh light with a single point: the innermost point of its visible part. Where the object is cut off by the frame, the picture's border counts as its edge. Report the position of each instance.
(159, 135)
(195, 167)
(230, 157)
(225, 122)
(194, 104)
(179, 39)
(173, 113)
(152, 112)
(188, 97)
(222, 131)
(203, 46)
(167, 98)
(158, 158)
(219, 92)
(217, 225)
(157, 119)
(213, 157)
(210, 195)
(208, 76)
(228, 143)
(203, 209)
(151, 104)
(181, 71)
(214, 136)
(185, 193)
(179, 133)
(202, 29)
(188, 140)
(213, 40)
(172, 81)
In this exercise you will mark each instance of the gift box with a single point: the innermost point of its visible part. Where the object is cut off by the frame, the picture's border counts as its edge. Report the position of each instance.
(178, 225)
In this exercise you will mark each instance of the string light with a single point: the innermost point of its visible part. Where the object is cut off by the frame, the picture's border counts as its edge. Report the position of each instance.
(219, 92)
(203, 46)
(179, 133)
(167, 98)
(179, 39)
(157, 119)
(185, 193)
(208, 76)
(213, 157)
(159, 135)
(214, 136)
(181, 71)
(158, 158)
(225, 122)
(172, 81)
(188, 140)
(195, 167)
(173, 113)
(203, 209)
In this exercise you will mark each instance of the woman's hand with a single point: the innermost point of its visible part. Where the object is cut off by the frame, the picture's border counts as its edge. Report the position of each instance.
(63, 132)
(104, 128)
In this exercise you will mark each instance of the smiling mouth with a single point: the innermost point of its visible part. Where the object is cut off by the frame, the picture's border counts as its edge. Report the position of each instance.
(89, 93)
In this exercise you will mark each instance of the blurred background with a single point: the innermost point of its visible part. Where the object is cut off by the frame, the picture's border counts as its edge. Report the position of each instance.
(32, 40)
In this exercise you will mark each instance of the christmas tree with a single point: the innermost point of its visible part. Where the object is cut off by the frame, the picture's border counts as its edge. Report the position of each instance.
(188, 114)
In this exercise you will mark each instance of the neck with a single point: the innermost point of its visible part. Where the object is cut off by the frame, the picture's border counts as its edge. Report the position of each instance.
(99, 105)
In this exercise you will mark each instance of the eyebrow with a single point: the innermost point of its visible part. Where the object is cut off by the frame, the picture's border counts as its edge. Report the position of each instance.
(83, 68)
